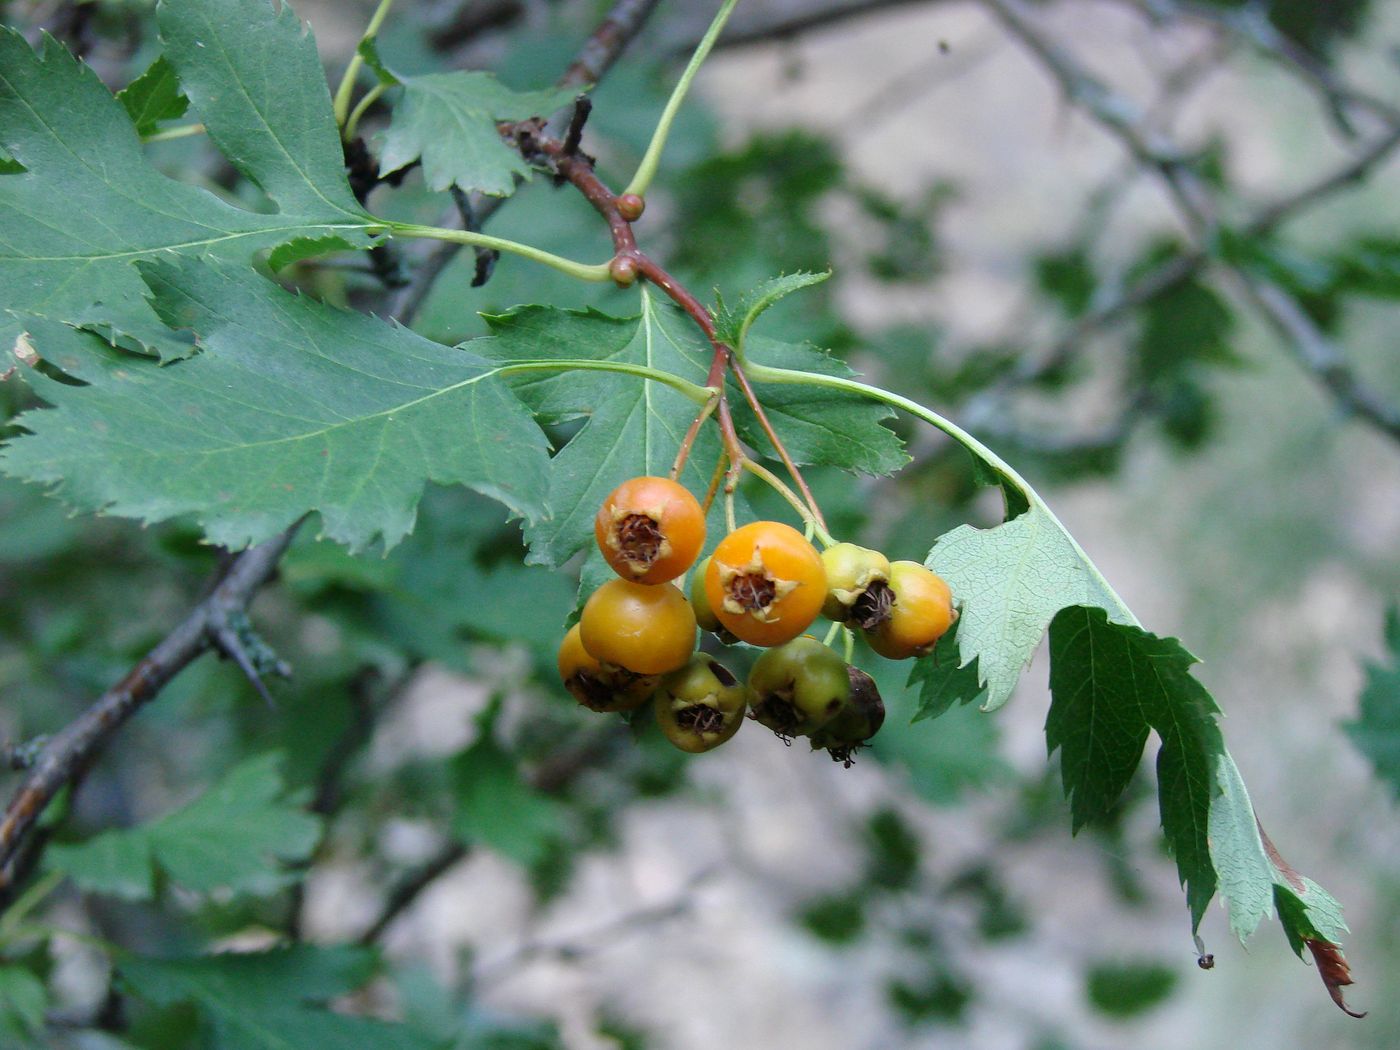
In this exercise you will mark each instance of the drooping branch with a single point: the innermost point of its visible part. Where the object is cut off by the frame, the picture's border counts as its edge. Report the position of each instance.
(985, 408)
(1194, 199)
(1250, 24)
(69, 752)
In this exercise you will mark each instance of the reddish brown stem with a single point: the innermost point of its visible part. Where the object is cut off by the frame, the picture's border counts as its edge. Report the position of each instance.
(577, 168)
(781, 449)
(715, 479)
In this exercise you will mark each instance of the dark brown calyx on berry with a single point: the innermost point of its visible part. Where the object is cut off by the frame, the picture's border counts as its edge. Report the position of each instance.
(640, 540)
(589, 691)
(873, 606)
(751, 591)
(611, 688)
(701, 706)
(861, 719)
(776, 712)
(700, 718)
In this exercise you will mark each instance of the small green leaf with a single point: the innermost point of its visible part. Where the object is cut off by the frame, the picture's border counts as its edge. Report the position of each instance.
(941, 683)
(817, 426)
(1068, 277)
(1126, 989)
(448, 121)
(1370, 266)
(272, 1000)
(235, 836)
(496, 807)
(837, 918)
(292, 406)
(1009, 582)
(1308, 912)
(732, 325)
(893, 851)
(1376, 730)
(153, 97)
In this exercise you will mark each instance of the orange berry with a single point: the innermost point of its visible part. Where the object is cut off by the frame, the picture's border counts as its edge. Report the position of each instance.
(650, 530)
(648, 630)
(765, 583)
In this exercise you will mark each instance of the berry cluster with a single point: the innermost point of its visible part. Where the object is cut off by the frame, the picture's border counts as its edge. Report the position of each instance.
(763, 584)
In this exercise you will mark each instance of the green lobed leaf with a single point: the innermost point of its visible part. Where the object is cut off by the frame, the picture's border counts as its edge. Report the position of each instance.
(1376, 729)
(253, 72)
(733, 324)
(1242, 866)
(292, 406)
(817, 426)
(1009, 582)
(633, 427)
(1109, 683)
(235, 836)
(1307, 912)
(153, 97)
(496, 807)
(76, 142)
(272, 1000)
(448, 121)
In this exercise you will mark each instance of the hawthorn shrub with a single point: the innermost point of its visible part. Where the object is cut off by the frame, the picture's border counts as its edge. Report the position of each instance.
(524, 374)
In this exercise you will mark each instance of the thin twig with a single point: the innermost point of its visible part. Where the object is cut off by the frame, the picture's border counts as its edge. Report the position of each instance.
(597, 55)
(1194, 199)
(1250, 23)
(407, 891)
(600, 937)
(68, 753)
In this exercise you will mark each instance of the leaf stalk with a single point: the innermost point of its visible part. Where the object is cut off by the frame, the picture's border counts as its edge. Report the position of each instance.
(651, 160)
(357, 61)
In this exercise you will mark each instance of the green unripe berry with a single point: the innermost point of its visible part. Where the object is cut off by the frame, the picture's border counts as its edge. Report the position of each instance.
(798, 687)
(704, 613)
(855, 583)
(858, 721)
(700, 706)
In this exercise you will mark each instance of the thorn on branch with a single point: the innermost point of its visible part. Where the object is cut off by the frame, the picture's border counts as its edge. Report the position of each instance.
(485, 257)
(23, 755)
(234, 637)
(583, 106)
